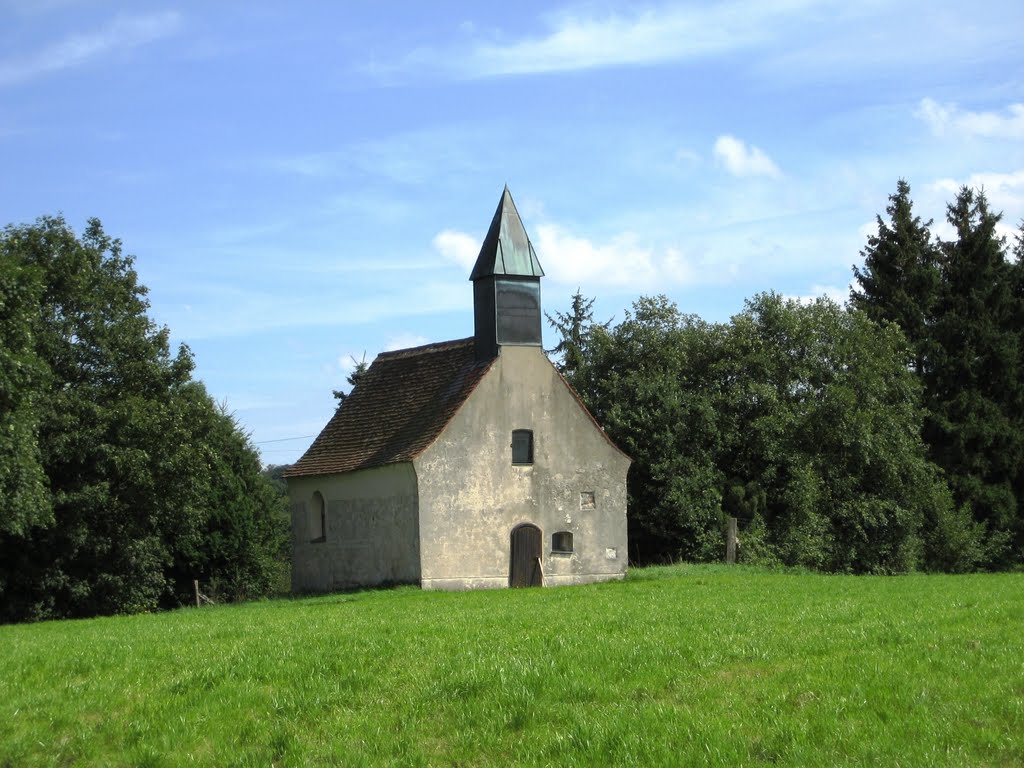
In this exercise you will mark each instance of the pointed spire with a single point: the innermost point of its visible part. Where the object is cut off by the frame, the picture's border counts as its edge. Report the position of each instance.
(507, 249)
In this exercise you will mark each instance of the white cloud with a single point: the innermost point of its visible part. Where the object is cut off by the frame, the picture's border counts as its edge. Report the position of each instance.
(688, 156)
(405, 341)
(337, 372)
(1004, 190)
(743, 160)
(867, 230)
(457, 247)
(620, 263)
(410, 157)
(950, 119)
(1005, 193)
(866, 42)
(311, 164)
(35, 7)
(239, 312)
(833, 292)
(574, 41)
(121, 33)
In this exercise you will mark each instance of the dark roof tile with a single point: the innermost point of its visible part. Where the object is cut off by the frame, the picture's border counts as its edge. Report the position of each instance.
(401, 404)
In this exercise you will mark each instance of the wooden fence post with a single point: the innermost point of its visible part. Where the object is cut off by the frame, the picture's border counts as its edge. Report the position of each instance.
(195, 586)
(730, 542)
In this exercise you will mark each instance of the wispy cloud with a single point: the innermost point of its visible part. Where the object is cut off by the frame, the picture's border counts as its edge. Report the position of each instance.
(457, 247)
(833, 292)
(36, 7)
(1003, 189)
(404, 341)
(406, 157)
(620, 263)
(347, 363)
(121, 33)
(792, 40)
(576, 41)
(743, 160)
(686, 155)
(854, 43)
(1005, 193)
(950, 119)
(311, 164)
(244, 311)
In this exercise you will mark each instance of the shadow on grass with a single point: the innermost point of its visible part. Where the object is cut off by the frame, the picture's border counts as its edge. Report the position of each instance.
(349, 595)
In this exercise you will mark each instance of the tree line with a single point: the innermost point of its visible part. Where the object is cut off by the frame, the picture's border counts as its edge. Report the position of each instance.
(121, 480)
(881, 436)
(878, 437)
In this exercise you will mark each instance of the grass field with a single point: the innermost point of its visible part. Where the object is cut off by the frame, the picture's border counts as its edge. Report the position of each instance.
(684, 665)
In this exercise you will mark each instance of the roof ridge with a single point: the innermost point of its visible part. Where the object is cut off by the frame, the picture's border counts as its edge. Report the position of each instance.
(425, 349)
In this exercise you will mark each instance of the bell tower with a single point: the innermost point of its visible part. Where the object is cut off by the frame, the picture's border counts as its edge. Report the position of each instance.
(506, 285)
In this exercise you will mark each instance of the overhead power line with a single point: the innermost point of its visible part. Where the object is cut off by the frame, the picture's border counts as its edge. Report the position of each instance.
(283, 439)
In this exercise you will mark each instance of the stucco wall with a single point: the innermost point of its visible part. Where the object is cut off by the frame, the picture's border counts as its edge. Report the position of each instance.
(371, 533)
(471, 496)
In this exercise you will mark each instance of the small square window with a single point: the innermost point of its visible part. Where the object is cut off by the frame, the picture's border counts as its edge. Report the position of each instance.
(522, 446)
(561, 542)
(587, 500)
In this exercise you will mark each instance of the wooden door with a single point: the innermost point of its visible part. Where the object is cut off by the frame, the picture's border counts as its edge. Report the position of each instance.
(525, 570)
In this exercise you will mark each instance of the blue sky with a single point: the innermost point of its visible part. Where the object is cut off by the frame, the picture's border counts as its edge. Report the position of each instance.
(305, 182)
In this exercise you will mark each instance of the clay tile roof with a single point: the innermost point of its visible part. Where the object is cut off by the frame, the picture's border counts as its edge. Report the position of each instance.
(401, 404)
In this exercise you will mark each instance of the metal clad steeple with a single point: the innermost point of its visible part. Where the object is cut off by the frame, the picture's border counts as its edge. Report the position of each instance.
(507, 249)
(506, 285)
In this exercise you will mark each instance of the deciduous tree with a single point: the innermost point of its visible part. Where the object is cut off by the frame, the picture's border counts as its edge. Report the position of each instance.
(805, 419)
(141, 471)
(24, 501)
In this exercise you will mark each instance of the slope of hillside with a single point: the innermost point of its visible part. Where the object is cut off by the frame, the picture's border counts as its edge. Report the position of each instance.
(674, 666)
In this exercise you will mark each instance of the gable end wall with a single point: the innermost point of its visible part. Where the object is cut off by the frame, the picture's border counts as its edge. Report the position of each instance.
(471, 496)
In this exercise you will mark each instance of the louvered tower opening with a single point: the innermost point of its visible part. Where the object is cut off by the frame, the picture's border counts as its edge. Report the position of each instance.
(506, 285)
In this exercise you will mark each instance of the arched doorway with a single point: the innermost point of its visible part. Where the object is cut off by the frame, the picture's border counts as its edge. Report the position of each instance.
(525, 561)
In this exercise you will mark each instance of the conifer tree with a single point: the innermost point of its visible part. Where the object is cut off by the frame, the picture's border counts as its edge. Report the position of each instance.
(573, 328)
(361, 366)
(900, 279)
(974, 388)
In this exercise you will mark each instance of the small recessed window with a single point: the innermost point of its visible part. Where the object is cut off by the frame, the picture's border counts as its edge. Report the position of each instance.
(587, 500)
(318, 518)
(522, 446)
(561, 542)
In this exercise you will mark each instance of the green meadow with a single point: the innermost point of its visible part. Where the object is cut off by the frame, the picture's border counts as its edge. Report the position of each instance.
(682, 665)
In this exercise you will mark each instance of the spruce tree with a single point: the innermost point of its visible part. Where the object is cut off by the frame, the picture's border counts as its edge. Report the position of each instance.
(900, 279)
(361, 367)
(974, 388)
(1016, 401)
(573, 329)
